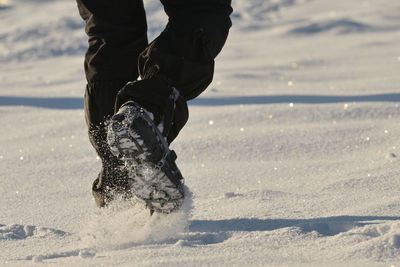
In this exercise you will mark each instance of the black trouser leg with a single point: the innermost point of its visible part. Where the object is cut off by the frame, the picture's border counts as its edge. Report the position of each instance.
(117, 32)
(182, 56)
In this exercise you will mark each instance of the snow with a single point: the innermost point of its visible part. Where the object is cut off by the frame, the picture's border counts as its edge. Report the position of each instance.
(291, 154)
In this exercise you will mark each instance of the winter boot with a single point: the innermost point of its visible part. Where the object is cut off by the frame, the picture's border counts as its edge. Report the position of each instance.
(111, 184)
(153, 174)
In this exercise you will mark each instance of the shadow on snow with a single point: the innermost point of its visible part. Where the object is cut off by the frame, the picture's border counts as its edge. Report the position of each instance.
(43, 102)
(299, 99)
(77, 103)
(325, 226)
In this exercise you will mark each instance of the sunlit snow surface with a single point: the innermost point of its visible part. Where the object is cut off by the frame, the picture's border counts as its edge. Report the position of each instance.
(291, 154)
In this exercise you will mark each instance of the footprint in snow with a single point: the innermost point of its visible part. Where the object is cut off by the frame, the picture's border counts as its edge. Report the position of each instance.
(20, 232)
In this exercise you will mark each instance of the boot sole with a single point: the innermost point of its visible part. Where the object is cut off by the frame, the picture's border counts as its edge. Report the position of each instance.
(148, 159)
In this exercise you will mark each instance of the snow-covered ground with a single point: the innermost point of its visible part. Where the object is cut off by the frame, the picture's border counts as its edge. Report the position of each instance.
(291, 154)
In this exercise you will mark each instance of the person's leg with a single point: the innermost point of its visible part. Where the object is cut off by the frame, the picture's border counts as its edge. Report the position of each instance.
(117, 32)
(181, 57)
(176, 67)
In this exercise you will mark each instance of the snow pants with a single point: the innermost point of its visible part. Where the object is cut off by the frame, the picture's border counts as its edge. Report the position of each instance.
(182, 56)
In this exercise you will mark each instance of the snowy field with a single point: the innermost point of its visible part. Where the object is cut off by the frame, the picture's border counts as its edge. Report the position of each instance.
(291, 154)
